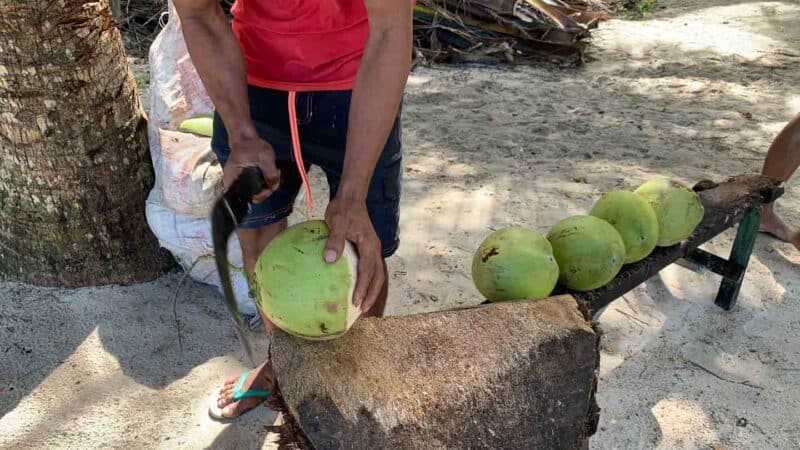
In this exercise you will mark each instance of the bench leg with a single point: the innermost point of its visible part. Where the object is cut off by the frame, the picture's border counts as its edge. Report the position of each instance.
(740, 255)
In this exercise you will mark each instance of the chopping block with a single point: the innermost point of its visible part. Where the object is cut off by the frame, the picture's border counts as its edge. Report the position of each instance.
(517, 374)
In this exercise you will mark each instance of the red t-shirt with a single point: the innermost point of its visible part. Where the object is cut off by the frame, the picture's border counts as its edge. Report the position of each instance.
(301, 45)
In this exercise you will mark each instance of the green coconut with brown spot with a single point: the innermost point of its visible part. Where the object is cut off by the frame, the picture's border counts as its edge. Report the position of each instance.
(633, 218)
(514, 263)
(589, 251)
(677, 207)
(301, 293)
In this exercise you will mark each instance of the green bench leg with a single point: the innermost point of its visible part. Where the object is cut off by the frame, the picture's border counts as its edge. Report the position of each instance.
(740, 255)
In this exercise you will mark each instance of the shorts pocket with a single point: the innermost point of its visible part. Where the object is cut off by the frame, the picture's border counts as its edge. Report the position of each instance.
(393, 180)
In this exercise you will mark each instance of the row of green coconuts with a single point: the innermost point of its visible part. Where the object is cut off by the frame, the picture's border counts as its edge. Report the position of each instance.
(311, 299)
(586, 252)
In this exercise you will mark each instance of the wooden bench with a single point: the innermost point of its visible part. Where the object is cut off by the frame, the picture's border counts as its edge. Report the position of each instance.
(735, 201)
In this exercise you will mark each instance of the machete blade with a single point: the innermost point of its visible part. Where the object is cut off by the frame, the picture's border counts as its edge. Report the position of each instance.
(226, 216)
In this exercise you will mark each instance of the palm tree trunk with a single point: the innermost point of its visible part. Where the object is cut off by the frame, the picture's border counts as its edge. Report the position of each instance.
(74, 163)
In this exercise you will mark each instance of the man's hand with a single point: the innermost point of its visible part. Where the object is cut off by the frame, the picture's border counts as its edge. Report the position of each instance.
(373, 109)
(349, 221)
(252, 151)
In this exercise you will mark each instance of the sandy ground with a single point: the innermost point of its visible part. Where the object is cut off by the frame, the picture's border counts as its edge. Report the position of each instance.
(696, 91)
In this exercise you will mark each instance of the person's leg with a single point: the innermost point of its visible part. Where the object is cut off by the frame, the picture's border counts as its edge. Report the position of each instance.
(264, 221)
(253, 242)
(783, 158)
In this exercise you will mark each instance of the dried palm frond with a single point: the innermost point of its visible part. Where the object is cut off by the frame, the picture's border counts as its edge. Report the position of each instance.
(445, 30)
(505, 30)
(139, 22)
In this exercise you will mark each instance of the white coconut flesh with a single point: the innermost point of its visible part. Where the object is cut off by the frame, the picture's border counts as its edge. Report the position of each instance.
(353, 312)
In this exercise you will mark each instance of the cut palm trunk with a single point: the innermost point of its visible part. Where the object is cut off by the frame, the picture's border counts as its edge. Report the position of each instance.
(507, 375)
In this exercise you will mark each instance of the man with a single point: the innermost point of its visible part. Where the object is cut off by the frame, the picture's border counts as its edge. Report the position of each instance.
(783, 158)
(298, 83)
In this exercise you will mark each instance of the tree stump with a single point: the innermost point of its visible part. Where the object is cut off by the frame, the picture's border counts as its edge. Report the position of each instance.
(506, 375)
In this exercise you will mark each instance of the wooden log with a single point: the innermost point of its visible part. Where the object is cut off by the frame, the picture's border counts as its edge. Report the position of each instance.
(725, 203)
(509, 375)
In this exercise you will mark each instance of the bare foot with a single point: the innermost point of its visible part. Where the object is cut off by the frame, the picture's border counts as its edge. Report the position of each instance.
(260, 378)
(772, 224)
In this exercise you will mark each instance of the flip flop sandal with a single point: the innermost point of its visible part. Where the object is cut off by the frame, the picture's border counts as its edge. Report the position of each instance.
(216, 412)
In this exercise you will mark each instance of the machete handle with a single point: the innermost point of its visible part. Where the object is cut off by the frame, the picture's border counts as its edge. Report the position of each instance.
(226, 215)
(249, 183)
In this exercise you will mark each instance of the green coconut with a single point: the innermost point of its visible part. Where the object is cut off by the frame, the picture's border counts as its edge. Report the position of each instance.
(514, 263)
(301, 293)
(589, 252)
(202, 126)
(678, 209)
(634, 220)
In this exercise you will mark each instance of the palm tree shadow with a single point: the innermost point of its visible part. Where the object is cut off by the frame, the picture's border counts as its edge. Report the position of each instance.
(44, 328)
(689, 337)
(39, 332)
(156, 343)
(245, 434)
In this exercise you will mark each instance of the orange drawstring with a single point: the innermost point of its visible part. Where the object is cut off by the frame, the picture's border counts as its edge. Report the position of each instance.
(298, 155)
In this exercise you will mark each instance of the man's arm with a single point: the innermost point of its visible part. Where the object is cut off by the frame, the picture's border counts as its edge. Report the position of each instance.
(218, 59)
(377, 92)
(376, 98)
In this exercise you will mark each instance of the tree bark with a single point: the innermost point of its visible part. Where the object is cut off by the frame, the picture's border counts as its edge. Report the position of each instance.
(74, 163)
(515, 375)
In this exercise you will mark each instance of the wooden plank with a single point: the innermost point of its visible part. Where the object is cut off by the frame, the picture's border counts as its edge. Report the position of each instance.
(700, 260)
(507, 375)
(725, 203)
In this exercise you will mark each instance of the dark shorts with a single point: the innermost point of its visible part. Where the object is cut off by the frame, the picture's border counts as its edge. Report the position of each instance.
(322, 123)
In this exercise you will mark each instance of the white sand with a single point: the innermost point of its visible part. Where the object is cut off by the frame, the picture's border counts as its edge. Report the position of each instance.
(698, 91)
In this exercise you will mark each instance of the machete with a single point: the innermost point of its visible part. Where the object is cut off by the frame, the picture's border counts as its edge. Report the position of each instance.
(226, 216)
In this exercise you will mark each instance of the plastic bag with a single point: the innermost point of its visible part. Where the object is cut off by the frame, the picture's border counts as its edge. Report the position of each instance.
(176, 91)
(189, 241)
(188, 176)
(189, 173)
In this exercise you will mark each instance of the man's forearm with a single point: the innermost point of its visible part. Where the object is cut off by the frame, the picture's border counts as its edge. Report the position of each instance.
(374, 107)
(216, 54)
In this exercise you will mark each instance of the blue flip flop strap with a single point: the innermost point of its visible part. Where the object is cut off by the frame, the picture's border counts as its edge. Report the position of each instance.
(237, 390)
